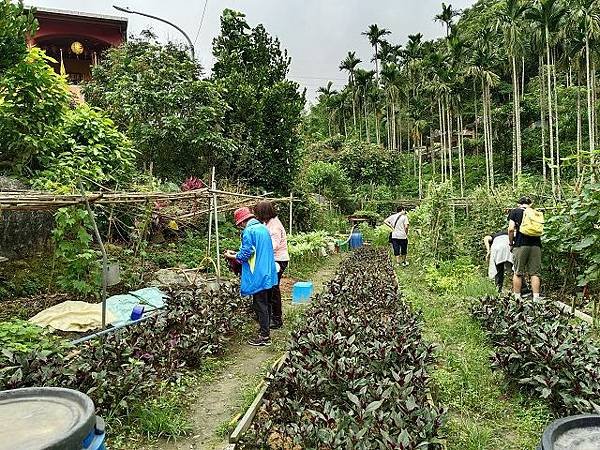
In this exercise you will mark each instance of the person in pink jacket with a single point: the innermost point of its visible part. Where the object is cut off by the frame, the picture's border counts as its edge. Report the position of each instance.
(267, 214)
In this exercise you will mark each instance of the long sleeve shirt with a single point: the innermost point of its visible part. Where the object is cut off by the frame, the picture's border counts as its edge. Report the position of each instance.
(279, 239)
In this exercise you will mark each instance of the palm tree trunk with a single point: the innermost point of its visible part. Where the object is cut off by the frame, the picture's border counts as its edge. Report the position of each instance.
(543, 116)
(476, 118)
(353, 101)
(550, 115)
(522, 78)
(460, 154)
(488, 106)
(556, 120)
(485, 135)
(377, 130)
(394, 123)
(442, 141)
(517, 116)
(367, 117)
(590, 105)
(421, 168)
(450, 133)
(579, 131)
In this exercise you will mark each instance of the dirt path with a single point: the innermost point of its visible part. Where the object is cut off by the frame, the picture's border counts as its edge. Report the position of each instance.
(221, 400)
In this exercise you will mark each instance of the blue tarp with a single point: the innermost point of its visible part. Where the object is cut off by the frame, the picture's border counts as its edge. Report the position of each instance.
(122, 305)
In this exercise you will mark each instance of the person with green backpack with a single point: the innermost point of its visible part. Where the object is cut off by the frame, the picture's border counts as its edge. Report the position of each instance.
(525, 228)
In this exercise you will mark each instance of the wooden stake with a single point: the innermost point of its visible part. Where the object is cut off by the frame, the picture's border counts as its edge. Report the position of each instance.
(216, 214)
(104, 255)
(291, 208)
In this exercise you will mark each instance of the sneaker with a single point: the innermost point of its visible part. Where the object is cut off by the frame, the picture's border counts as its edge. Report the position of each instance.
(260, 341)
(276, 325)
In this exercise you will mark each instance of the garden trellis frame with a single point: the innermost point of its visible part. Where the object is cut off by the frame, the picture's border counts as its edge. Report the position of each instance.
(47, 201)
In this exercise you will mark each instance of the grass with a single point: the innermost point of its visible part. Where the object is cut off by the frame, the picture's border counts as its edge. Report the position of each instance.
(166, 414)
(484, 412)
(303, 268)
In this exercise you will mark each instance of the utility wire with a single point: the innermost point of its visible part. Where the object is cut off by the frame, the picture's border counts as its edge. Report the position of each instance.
(201, 21)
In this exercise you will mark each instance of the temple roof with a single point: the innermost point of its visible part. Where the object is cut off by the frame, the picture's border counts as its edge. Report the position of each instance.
(79, 14)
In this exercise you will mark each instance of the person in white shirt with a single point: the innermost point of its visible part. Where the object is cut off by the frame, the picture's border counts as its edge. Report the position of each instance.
(399, 235)
(499, 257)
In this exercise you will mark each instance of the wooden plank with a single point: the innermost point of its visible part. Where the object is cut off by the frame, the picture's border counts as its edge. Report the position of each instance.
(246, 421)
(580, 315)
(248, 417)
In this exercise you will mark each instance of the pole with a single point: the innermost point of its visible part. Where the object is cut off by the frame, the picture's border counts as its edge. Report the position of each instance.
(130, 11)
(216, 215)
(104, 255)
(291, 208)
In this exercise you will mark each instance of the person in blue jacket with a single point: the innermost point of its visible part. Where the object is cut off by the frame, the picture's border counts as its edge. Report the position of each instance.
(259, 272)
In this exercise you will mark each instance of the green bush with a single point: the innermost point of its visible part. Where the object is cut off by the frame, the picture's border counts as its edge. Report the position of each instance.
(434, 224)
(78, 262)
(542, 352)
(571, 241)
(155, 94)
(33, 100)
(21, 337)
(86, 147)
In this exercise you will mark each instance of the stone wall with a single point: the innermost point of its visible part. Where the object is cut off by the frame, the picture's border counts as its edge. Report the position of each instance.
(23, 233)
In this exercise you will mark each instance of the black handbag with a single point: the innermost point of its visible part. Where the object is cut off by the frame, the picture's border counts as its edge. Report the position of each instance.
(396, 223)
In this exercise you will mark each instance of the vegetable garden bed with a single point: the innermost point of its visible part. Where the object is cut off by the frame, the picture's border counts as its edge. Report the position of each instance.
(128, 365)
(543, 352)
(357, 371)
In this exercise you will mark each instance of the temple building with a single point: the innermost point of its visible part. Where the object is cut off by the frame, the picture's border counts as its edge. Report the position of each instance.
(77, 40)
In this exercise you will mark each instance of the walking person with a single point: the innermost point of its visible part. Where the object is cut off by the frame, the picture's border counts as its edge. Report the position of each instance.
(399, 235)
(499, 257)
(525, 228)
(265, 212)
(259, 273)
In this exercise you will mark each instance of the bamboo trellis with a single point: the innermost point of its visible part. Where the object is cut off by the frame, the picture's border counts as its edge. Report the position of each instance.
(44, 201)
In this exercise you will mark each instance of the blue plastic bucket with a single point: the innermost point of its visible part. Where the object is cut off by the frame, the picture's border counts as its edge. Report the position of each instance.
(356, 239)
(95, 440)
(49, 418)
(302, 291)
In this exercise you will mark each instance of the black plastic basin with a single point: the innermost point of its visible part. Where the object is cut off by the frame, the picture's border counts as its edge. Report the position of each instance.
(573, 433)
(45, 418)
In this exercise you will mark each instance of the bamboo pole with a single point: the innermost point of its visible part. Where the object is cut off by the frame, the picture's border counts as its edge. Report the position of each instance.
(216, 214)
(104, 255)
(291, 210)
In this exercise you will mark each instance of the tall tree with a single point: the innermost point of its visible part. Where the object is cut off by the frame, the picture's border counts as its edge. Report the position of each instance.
(447, 17)
(326, 97)
(587, 14)
(512, 14)
(349, 64)
(374, 35)
(264, 107)
(548, 15)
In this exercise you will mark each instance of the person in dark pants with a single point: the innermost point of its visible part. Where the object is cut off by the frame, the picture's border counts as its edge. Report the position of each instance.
(499, 257)
(399, 235)
(265, 212)
(259, 273)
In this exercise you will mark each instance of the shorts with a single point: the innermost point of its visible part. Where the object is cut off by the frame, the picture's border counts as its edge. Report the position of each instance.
(400, 246)
(527, 260)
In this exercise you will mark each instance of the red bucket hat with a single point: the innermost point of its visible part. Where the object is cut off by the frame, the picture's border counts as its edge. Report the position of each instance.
(242, 214)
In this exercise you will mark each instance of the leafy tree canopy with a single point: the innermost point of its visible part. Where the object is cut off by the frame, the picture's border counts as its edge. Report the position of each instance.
(33, 98)
(15, 25)
(85, 147)
(155, 94)
(264, 108)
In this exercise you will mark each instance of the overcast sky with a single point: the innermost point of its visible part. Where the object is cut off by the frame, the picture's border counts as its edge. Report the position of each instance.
(317, 33)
